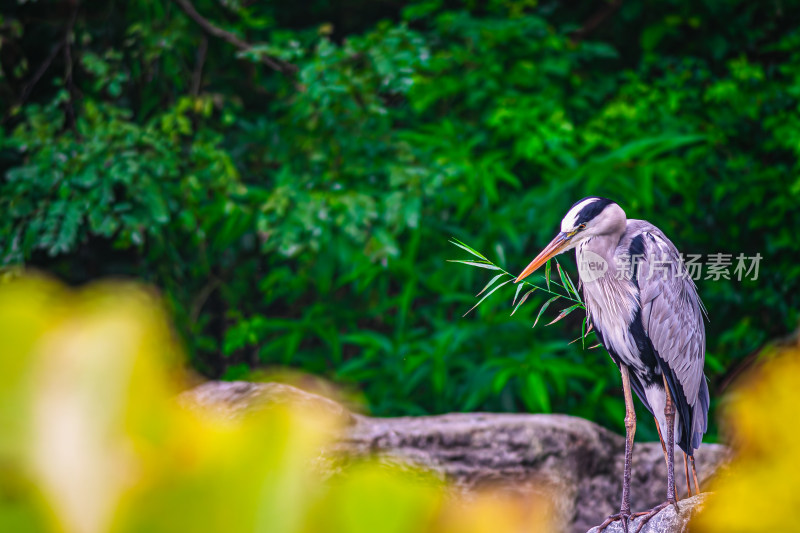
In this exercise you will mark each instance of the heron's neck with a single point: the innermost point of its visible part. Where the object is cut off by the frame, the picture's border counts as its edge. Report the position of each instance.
(603, 245)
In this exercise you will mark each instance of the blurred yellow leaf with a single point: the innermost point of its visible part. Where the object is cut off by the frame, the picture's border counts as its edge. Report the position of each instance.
(761, 491)
(96, 441)
(373, 498)
(100, 400)
(492, 511)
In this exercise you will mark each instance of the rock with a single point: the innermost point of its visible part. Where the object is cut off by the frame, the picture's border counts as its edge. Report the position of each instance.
(575, 462)
(234, 398)
(666, 521)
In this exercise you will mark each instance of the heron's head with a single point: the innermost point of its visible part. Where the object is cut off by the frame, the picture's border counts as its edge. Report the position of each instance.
(586, 219)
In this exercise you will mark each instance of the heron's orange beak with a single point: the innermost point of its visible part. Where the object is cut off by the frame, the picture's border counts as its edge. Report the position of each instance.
(555, 247)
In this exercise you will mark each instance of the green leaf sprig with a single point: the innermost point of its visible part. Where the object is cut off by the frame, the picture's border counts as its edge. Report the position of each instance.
(562, 289)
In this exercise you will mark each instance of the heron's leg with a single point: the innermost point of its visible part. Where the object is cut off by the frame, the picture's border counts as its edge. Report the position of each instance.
(686, 473)
(666, 461)
(669, 414)
(694, 475)
(630, 430)
(685, 464)
(661, 438)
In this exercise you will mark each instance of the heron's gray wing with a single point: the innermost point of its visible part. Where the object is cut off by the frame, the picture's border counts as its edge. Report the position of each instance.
(672, 313)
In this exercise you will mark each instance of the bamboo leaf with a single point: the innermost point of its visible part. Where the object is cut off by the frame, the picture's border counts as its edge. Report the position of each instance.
(475, 263)
(467, 248)
(561, 283)
(561, 275)
(595, 346)
(545, 306)
(574, 290)
(522, 301)
(564, 313)
(519, 288)
(491, 282)
(547, 274)
(566, 281)
(486, 296)
(583, 332)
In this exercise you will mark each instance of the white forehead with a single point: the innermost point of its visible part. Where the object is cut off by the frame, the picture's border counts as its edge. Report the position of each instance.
(569, 221)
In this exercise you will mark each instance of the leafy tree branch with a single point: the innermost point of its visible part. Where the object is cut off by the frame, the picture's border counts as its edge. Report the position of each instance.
(215, 31)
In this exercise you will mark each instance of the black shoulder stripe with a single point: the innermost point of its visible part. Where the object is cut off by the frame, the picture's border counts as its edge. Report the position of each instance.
(646, 352)
(637, 246)
(636, 251)
(651, 360)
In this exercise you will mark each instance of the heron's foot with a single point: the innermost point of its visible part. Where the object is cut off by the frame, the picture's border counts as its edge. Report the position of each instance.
(652, 512)
(622, 516)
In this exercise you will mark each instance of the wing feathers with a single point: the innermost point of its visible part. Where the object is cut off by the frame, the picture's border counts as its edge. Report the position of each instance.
(672, 313)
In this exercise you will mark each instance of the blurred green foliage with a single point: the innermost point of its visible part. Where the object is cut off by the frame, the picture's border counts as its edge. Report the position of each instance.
(300, 217)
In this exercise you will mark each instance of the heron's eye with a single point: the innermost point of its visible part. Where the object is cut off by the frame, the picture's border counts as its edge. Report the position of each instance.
(582, 226)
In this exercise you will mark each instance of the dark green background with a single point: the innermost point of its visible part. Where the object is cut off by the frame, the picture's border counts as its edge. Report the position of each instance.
(301, 217)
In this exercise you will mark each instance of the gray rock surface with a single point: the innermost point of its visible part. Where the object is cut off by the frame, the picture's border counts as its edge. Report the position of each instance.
(667, 520)
(570, 459)
(234, 398)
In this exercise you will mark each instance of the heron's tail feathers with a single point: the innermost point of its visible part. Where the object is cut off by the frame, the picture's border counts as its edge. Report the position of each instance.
(700, 415)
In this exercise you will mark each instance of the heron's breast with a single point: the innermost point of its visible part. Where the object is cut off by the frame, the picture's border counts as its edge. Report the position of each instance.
(612, 305)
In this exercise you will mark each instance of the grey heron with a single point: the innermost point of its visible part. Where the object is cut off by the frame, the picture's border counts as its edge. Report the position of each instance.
(646, 312)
